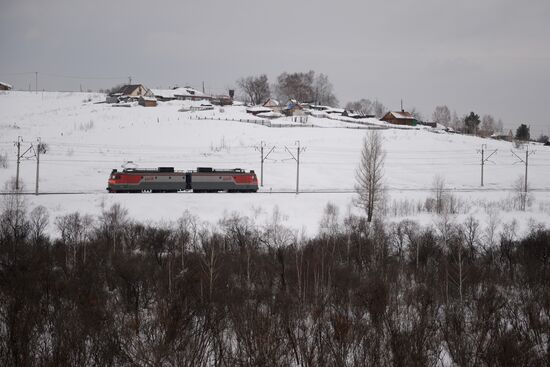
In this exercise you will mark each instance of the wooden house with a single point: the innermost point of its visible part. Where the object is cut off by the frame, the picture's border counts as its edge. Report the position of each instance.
(5, 86)
(129, 92)
(399, 118)
(147, 101)
(179, 93)
(273, 104)
(293, 108)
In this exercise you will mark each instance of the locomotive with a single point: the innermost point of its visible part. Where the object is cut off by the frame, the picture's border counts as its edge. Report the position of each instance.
(166, 179)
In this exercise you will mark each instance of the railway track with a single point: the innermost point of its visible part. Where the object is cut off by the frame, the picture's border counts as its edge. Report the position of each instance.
(271, 192)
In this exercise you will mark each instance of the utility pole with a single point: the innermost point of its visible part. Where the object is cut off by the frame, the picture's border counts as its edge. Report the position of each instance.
(526, 161)
(263, 158)
(483, 159)
(297, 159)
(18, 145)
(36, 81)
(130, 80)
(19, 156)
(38, 148)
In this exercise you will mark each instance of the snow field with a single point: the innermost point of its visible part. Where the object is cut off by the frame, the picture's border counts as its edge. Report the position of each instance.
(86, 140)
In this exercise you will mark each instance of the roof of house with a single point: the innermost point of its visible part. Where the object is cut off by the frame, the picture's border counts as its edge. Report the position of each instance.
(258, 109)
(129, 89)
(401, 115)
(6, 85)
(271, 103)
(178, 91)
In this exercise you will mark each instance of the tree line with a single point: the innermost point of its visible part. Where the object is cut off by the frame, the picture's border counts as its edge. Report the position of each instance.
(111, 291)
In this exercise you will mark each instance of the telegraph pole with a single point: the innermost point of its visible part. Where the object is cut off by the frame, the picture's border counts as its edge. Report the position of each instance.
(36, 81)
(483, 159)
(38, 147)
(526, 162)
(18, 145)
(263, 158)
(297, 159)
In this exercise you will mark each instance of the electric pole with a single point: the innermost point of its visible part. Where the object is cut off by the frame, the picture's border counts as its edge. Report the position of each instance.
(19, 156)
(483, 159)
(38, 148)
(263, 158)
(18, 145)
(36, 81)
(297, 159)
(526, 161)
(130, 80)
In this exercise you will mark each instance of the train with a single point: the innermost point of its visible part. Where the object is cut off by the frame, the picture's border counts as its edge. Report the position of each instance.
(167, 179)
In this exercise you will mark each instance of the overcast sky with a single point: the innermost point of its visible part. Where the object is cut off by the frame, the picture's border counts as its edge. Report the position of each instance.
(487, 56)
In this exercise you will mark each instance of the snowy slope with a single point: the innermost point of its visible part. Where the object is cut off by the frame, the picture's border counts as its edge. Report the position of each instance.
(86, 140)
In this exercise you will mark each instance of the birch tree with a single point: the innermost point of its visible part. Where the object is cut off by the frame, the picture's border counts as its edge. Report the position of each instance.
(369, 174)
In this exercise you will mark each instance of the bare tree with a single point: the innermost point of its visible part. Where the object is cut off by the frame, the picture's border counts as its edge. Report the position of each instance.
(323, 91)
(416, 114)
(499, 126)
(521, 196)
(256, 88)
(378, 108)
(369, 174)
(297, 86)
(457, 122)
(442, 115)
(487, 125)
(38, 221)
(364, 106)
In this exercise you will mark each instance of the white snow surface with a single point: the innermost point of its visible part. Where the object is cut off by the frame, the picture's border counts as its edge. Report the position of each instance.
(86, 140)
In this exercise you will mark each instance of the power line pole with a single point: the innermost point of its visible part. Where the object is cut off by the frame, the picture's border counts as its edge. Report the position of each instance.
(37, 152)
(130, 80)
(263, 158)
(19, 156)
(36, 81)
(526, 161)
(483, 159)
(297, 159)
(18, 145)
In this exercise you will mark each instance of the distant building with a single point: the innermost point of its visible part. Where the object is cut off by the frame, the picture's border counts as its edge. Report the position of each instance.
(399, 118)
(221, 100)
(428, 123)
(356, 115)
(147, 101)
(179, 93)
(5, 86)
(255, 110)
(129, 92)
(293, 108)
(271, 103)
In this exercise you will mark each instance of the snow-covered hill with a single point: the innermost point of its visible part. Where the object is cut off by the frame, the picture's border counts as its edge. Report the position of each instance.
(86, 140)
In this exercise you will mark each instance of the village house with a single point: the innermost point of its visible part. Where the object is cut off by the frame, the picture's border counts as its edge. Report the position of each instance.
(273, 104)
(399, 118)
(129, 92)
(180, 93)
(5, 86)
(293, 108)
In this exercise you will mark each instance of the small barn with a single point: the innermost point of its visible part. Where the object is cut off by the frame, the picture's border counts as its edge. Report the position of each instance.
(5, 86)
(399, 118)
(147, 101)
